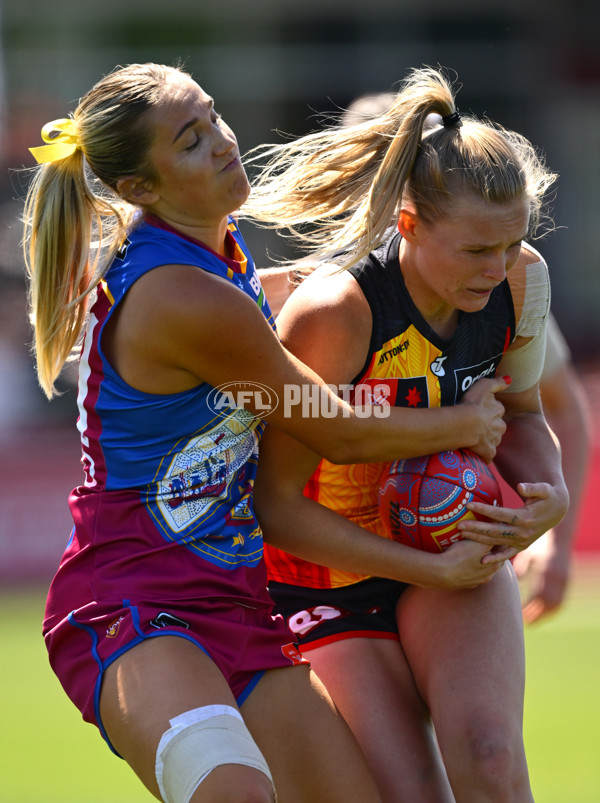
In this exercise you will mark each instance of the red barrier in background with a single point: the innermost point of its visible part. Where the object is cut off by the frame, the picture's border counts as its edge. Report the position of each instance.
(38, 470)
(588, 531)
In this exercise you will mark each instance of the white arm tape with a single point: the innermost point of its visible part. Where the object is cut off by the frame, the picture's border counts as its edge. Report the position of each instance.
(536, 304)
(524, 365)
(197, 742)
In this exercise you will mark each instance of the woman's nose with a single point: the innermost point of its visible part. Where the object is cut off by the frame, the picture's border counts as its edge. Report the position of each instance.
(496, 267)
(224, 142)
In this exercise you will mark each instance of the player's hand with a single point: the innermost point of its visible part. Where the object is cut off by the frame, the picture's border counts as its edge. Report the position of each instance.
(486, 416)
(543, 570)
(461, 566)
(512, 530)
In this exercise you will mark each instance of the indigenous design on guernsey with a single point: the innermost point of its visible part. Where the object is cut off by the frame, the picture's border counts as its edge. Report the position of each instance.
(191, 468)
(411, 366)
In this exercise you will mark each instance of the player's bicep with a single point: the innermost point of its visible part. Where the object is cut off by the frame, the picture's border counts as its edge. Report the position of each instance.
(216, 331)
(522, 403)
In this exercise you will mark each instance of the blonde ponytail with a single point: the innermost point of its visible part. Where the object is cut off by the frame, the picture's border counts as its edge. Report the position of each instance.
(74, 218)
(336, 191)
(61, 215)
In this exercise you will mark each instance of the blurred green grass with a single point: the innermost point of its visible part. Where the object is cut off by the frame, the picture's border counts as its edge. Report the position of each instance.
(562, 695)
(49, 754)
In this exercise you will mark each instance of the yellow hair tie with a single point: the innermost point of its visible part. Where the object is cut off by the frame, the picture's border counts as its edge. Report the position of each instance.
(60, 145)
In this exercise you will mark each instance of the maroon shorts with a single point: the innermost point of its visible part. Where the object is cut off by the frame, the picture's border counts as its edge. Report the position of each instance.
(243, 642)
(318, 616)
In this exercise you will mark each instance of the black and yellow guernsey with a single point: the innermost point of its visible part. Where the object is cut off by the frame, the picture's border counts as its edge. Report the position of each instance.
(413, 367)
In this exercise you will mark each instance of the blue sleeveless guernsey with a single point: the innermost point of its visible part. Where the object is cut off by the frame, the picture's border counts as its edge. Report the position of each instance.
(191, 468)
(165, 540)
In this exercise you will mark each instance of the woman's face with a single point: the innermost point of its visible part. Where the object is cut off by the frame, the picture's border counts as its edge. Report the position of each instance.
(200, 177)
(454, 263)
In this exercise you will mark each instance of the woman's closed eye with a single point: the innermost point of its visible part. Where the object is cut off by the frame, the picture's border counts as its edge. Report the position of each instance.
(194, 144)
(215, 120)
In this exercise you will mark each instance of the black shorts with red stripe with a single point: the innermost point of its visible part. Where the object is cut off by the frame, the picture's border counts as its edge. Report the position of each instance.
(319, 616)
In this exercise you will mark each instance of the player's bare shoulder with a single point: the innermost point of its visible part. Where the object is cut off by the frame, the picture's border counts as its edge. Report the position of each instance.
(328, 307)
(330, 292)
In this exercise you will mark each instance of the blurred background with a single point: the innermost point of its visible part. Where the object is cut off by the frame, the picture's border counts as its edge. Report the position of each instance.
(280, 65)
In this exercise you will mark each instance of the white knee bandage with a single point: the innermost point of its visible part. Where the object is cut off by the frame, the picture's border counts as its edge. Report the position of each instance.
(196, 743)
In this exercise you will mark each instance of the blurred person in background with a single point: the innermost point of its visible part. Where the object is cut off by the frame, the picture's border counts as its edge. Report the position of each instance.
(545, 568)
(419, 667)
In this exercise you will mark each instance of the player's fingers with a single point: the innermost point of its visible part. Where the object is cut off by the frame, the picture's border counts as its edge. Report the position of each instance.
(500, 383)
(499, 555)
(506, 515)
(488, 539)
(534, 490)
(495, 531)
(499, 524)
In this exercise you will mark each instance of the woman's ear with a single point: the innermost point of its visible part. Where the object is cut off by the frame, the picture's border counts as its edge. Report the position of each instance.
(137, 190)
(407, 223)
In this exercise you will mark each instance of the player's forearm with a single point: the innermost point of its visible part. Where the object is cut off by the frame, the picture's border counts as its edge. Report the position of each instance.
(529, 454)
(405, 432)
(312, 532)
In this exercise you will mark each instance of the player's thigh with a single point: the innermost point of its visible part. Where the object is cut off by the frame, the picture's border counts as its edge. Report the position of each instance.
(466, 650)
(371, 683)
(310, 749)
(149, 685)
